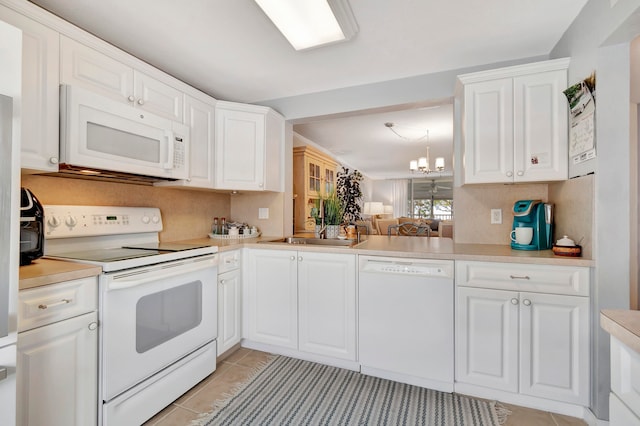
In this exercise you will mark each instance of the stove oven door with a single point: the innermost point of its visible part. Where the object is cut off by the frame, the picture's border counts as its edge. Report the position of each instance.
(152, 317)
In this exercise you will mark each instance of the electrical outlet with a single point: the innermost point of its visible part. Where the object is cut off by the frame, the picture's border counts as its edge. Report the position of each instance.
(263, 213)
(496, 216)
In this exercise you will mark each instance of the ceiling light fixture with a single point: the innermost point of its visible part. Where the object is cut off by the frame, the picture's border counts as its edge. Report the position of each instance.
(311, 23)
(421, 164)
(392, 126)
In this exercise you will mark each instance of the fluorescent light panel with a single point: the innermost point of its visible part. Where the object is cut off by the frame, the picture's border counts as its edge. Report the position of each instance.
(311, 23)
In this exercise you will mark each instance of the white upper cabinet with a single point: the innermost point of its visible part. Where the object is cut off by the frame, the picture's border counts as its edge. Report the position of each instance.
(249, 148)
(515, 124)
(86, 67)
(40, 94)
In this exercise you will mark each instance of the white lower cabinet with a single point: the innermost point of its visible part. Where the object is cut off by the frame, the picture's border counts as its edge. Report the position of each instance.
(229, 310)
(58, 373)
(327, 304)
(521, 341)
(624, 399)
(229, 300)
(57, 363)
(305, 301)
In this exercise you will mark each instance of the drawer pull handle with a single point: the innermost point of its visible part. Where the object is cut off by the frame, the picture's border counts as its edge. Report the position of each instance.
(519, 277)
(51, 305)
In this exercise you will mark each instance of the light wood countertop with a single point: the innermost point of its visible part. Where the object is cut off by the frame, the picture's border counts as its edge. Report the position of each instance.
(413, 247)
(622, 324)
(48, 271)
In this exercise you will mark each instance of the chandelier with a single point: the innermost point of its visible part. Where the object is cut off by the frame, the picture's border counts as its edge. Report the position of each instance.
(421, 165)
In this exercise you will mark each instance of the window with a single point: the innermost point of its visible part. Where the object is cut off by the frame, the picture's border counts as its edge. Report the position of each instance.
(431, 198)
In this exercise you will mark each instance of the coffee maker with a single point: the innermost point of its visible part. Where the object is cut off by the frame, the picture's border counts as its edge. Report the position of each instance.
(537, 215)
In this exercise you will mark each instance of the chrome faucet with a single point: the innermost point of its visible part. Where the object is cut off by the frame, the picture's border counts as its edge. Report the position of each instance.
(322, 233)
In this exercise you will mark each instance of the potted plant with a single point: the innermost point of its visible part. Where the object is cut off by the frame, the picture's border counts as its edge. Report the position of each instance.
(349, 193)
(333, 213)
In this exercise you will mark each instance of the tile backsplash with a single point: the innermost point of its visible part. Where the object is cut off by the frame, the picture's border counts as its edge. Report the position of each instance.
(186, 214)
(472, 210)
(573, 210)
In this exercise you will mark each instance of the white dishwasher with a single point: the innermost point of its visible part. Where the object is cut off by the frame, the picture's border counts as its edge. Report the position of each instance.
(406, 320)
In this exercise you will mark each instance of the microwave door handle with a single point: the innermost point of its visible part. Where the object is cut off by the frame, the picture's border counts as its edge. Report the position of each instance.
(170, 138)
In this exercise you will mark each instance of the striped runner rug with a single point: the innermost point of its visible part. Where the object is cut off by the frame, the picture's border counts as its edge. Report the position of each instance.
(294, 392)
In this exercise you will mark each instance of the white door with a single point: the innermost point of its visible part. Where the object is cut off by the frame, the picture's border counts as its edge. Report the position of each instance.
(82, 66)
(157, 97)
(272, 297)
(240, 149)
(200, 117)
(229, 310)
(488, 134)
(152, 317)
(58, 373)
(554, 347)
(327, 304)
(487, 338)
(40, 92)
(540, 127)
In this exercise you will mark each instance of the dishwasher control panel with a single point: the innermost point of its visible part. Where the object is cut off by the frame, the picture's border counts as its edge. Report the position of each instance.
(417, 267)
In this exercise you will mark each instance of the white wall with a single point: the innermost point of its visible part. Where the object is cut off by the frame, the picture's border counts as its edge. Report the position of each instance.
(591, 43)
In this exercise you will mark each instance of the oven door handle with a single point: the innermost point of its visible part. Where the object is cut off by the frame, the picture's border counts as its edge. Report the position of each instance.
(151, 276)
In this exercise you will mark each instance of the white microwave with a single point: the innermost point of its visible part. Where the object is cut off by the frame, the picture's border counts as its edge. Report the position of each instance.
(100, 134)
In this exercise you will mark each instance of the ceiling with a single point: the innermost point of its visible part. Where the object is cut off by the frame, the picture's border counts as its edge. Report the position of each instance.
(231, 50)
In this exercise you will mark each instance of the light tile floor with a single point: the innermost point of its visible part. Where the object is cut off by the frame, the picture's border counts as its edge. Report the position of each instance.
(237, 368)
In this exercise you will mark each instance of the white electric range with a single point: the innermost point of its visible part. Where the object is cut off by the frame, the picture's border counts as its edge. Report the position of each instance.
(157, 305)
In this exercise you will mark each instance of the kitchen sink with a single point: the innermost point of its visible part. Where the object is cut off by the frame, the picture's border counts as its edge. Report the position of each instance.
(314, 241)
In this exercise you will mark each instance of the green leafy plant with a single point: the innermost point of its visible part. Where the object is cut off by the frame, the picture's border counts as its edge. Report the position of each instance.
(315, 212)
(332, 209)
(350, 195)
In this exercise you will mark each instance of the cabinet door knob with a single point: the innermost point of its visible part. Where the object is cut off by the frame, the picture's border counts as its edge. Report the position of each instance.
(509, 173)
(140, 101)
(526, 302)
(222, 282)
(53, 160)
(293, 258)
(514, 301)
(92, 326)
(520, 173)
(130, 98)
(300, 259)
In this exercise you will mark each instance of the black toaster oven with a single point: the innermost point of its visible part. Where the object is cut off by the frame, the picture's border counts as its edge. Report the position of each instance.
(31, 227)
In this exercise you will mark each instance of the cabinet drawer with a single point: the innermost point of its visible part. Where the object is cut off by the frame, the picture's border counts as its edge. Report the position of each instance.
(520, 277)
(48, 304)
(229, 261)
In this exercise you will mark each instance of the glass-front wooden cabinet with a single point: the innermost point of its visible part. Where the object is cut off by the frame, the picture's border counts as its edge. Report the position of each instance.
(314, 176)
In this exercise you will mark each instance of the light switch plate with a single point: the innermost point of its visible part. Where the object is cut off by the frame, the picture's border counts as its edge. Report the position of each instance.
(263, 213)
(496, 216)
